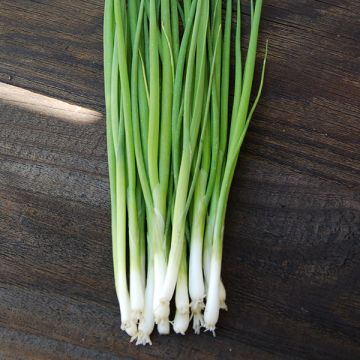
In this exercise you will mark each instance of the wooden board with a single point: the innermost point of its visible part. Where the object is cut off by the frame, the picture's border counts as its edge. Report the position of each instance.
(292, 249)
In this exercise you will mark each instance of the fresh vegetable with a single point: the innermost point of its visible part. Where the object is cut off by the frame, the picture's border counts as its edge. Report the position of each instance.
(173, 140)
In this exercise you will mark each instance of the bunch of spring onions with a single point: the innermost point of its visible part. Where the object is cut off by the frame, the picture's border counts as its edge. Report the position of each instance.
(173, 140)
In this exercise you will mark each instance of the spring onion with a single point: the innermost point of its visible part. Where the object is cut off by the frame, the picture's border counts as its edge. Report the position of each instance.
(173, 140)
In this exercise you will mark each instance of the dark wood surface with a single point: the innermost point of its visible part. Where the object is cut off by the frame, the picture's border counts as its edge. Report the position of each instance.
(292, 241)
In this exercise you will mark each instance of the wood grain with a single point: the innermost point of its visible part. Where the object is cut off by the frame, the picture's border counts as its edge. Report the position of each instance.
(292, 249)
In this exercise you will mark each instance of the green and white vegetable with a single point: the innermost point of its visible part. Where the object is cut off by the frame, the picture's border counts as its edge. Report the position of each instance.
(173, 140)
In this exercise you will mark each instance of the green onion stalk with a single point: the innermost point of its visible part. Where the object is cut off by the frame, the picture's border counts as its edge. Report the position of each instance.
(116, 159)
(191, 125)
(211, 164)
(237, 134)
(137, 296)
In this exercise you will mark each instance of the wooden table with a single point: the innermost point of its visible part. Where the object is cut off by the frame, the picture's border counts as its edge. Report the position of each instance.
(292, 242)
